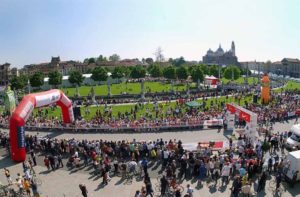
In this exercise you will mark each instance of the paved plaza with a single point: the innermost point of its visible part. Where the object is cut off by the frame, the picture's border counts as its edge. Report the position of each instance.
(65, 181)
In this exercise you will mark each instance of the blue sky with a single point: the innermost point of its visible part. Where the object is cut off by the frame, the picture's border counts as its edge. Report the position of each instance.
(31, 31)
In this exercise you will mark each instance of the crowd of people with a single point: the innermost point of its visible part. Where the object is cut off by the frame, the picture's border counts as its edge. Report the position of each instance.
(241, 162)
(168, 115)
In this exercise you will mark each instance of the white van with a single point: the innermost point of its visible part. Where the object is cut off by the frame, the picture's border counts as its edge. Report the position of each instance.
(294, 140)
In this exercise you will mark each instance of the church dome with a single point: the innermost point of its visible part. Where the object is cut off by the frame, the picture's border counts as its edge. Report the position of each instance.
(220, 51)
(210, 52)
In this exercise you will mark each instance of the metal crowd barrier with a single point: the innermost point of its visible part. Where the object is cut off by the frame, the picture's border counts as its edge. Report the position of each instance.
(121, 129)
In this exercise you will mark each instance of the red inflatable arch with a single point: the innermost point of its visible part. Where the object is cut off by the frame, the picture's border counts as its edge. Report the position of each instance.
(24, 110)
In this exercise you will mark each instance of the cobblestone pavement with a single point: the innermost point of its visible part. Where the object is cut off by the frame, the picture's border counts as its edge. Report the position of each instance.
(65, 181)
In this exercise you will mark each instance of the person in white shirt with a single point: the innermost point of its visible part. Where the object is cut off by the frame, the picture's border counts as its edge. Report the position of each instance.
(189, 190)
(225, 173)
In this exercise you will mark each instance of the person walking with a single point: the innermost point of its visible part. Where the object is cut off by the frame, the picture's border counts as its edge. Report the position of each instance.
(262, 182)
(278, 181)
(83, 189)
(163, 185)
(225, 174)
(7, 174)
(189, 190)
(47, 162)
(236, 186)
(33, 156)
(59, 159)
(149, 190)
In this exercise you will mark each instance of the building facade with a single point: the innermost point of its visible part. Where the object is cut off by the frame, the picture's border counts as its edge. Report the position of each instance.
(219, 57)
(291, 67)
(7, 73)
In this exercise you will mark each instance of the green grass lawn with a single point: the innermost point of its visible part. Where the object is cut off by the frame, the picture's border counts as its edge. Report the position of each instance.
(127, 108)
(251, 80)
(291, 85)
(129, 88)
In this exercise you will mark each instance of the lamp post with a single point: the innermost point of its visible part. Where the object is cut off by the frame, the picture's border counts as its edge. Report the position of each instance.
(28, 84)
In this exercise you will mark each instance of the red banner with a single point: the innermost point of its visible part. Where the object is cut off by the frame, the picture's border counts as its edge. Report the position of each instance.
(244, 116)
(231, 108)
(298, 112)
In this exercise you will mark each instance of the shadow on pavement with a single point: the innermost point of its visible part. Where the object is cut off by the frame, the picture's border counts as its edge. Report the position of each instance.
(6, 162)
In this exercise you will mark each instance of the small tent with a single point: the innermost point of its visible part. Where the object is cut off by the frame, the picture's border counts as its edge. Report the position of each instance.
(193, 104)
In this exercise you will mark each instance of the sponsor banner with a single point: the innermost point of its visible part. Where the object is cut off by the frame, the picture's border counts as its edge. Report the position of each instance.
(26, 110)
(9, 101)
(231, 108)
(65, 100)
(21, 137)
(194, 146)
(213, 122)
(245, 116)
(47, 99)
(71, 114)
(297, 112)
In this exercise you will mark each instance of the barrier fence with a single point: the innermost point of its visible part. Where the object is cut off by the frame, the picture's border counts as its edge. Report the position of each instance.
(215, 123)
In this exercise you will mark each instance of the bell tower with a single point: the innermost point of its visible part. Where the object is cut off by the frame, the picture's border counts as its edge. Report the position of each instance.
(233, 48)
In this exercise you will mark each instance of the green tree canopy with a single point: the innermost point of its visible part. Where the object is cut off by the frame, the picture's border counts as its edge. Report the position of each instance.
(182, 72)
(137, 72)
(76, 77)
(178, 62)
(118, 72)
(232, 71)
(214, 70)
(55, 78)
(197, 74)
(149, 60)
(18, 83)
(244, 71)
(204, 69)
(101, 58)
(155, 70)
(99, 74)
(114, 58)
(37, 79)
(91, 60)
(169, 72)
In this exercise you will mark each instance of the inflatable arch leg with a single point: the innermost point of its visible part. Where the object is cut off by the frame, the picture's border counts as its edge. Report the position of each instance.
(24, 110)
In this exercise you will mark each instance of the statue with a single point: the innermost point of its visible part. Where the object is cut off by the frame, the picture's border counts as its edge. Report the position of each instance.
(142, 90)
(265, 89)
(108, 89)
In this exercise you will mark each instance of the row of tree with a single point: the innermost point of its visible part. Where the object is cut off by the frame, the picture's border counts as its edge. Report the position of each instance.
(197, 73)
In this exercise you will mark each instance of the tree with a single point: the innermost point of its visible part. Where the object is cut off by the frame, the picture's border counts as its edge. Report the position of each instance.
(55, 78)
(169, 72)
(178, 62)
(159, 55)
(155, 70)
(149, 60)
(76, 78)
(118, 72)
(18, 83)
(114, 58)
(204, 69)
(99, 74)
(101, 58)
(232, 72)
(182, 72)
(138, 72)
(197, 74)
(244, 71)
(91, 60)
(214, 70)
(37, 79)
